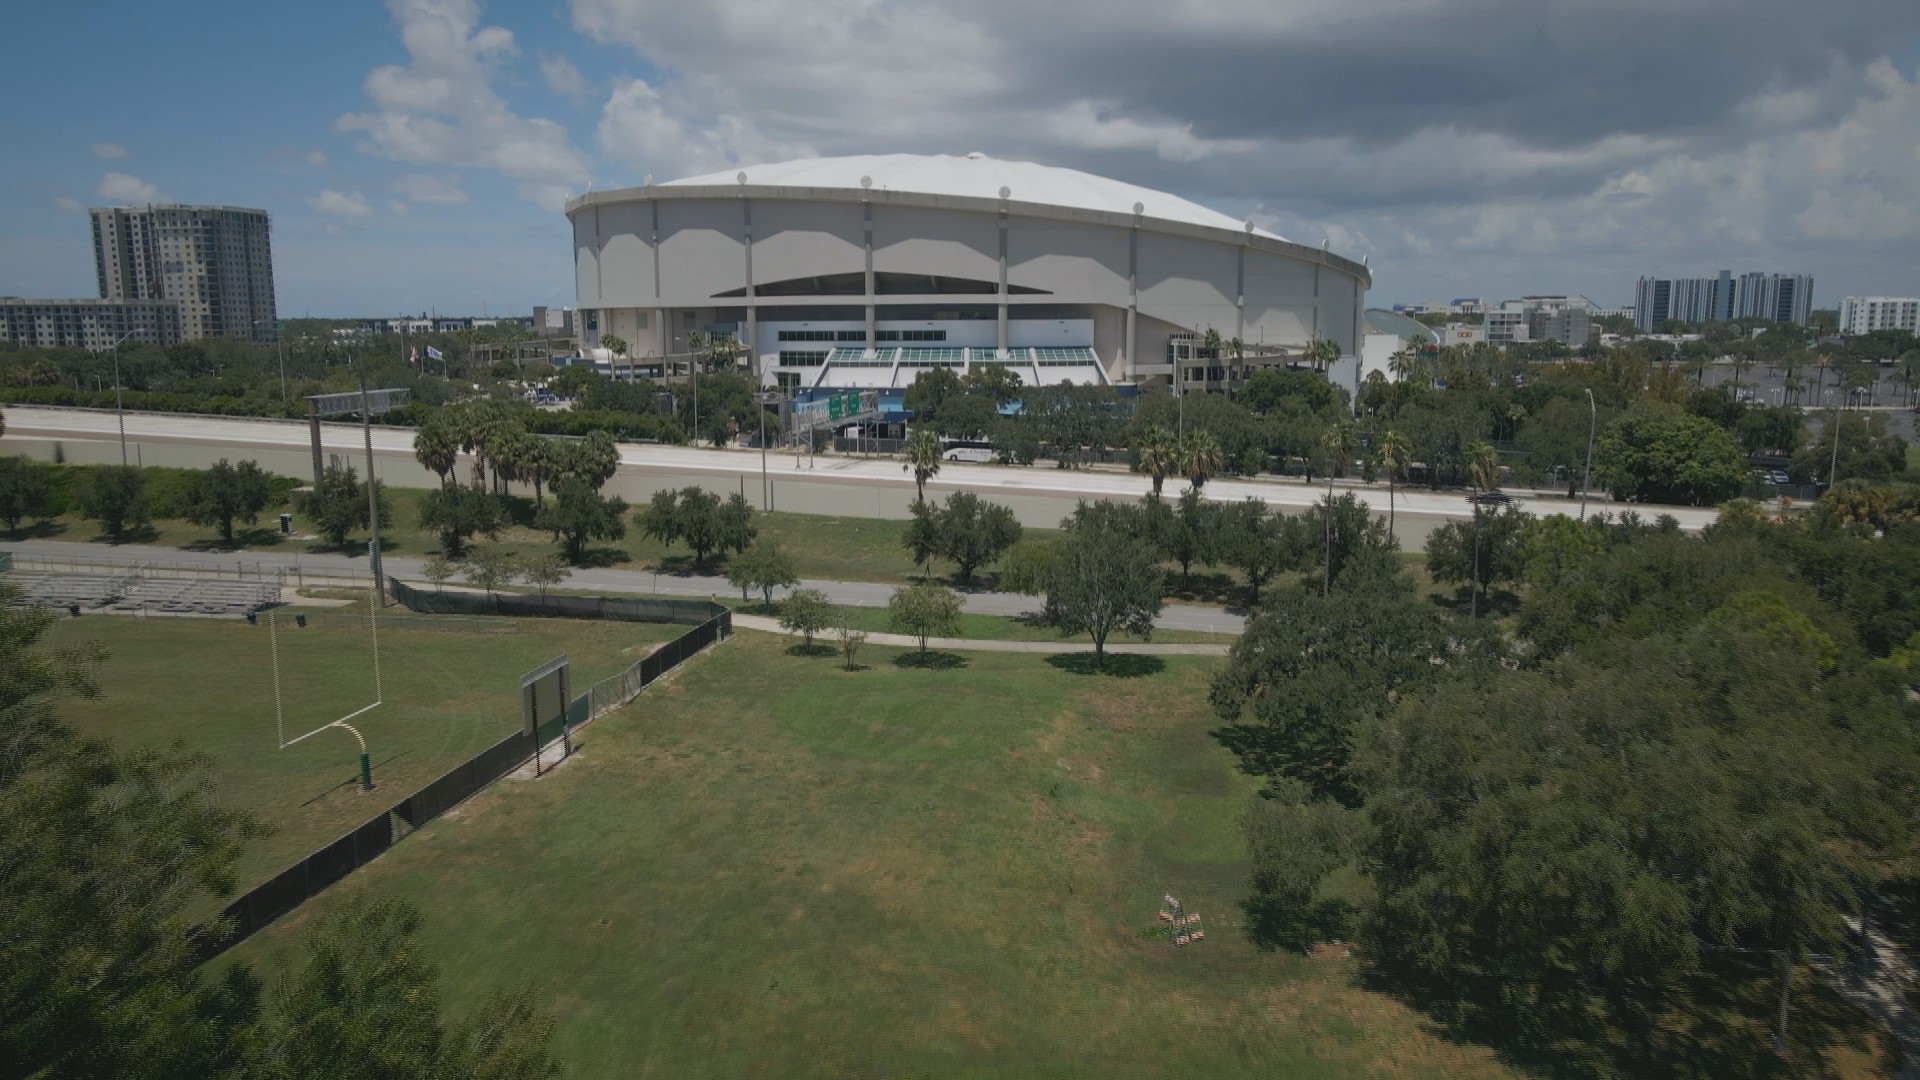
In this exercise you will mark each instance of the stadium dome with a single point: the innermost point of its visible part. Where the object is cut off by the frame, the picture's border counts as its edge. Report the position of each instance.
(867, 271)
(976, 175)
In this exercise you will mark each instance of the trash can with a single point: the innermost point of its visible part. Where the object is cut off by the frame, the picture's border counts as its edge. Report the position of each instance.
(286, 524)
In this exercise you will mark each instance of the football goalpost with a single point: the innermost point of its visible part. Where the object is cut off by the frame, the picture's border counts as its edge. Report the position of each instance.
(279, 715)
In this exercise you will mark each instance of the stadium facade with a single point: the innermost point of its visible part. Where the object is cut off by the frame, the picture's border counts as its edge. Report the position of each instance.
(866, 271)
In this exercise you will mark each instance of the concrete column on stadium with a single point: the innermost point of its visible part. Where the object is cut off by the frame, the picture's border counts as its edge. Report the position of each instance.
(1133, 290)
(753, 312)
(1002, 312)
(866, 207)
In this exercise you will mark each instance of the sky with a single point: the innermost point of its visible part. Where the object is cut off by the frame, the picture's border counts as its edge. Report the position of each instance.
(415, 154)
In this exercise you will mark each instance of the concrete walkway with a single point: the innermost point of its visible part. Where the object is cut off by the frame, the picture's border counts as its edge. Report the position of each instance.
(1045, 648)
(1194, 617)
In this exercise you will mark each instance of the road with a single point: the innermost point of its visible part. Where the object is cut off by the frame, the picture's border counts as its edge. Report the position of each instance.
(324, 568)
(727, 466)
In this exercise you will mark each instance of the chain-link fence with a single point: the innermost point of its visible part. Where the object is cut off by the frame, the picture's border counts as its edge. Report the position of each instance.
(616, 690)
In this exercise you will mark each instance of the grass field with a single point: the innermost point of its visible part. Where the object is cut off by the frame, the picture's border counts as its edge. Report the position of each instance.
(767, 866)
(207, 685)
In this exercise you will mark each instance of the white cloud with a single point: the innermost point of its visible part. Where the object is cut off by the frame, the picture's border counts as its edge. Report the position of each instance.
(316, 159)
(562, 77)
(441, 108)
(109, 150)
(425, 188)
(640, 127)
(341, 204)
(67, 204)
(1095, 127)
(397, 208)
(121, 188)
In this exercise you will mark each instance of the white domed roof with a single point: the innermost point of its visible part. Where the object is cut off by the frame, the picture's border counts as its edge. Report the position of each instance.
(978, 176)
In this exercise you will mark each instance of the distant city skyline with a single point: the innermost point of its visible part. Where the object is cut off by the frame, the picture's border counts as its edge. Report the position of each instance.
(414, 154)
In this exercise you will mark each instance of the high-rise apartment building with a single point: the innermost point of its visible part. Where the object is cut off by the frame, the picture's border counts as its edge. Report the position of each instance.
(1865, 314)
(216, 262)
(1565, 319)
(1775, 297)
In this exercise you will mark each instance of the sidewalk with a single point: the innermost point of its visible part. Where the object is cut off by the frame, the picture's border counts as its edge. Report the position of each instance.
(1045, 648)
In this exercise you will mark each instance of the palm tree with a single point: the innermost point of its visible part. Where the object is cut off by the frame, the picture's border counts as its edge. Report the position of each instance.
(1483, 467)
(1322, 352)
(437, 446)
(1396, 453)
(1157, 455)
(1237, 349)
(1337, 440)
(1210, 342)
(1199, 457)
(923, 457)
(617, 346)
(1404, 362)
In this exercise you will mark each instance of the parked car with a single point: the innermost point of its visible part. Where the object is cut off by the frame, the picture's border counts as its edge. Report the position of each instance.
(1490, 498)
(1779, 476)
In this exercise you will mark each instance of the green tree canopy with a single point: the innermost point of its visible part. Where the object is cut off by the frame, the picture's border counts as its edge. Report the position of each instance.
(1657, 453)
(455, 513)
(579, 515)
(1102, 577)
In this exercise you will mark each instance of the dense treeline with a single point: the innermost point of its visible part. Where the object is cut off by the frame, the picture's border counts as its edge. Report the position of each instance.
(1611, 831)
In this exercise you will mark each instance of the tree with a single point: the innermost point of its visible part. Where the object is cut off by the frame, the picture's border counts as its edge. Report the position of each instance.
(1309, 669)
(849, 639)
(109, 857)
(1192, 534)
(1272, 389)
(806, 612)
(1199, 458)
(1490, 549)
(117, 499)
(1396, 454)
(579, 514)
(765, 567)
(736, 523)
(491, 567)
(690, 516)
(337, 504)
(436, 444)
(438, 569)
(924, 611)
(1657, 453)
(1258, 544)
(967, 531)
(594, 459)
(455, 513)
(997, 383)
(617, 346)
(1156, 453)
(1101, 579)
(23, 491)
(1348, 530)
(923, 458)
(224, 492)
(1322, 353)
(363, 1004)
(930, 390)
(966, 416)
(546, 570)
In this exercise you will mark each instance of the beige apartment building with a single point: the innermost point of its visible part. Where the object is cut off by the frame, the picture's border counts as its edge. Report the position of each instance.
(215, 262)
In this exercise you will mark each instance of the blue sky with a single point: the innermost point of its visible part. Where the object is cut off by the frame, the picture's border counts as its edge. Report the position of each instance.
(413, 152)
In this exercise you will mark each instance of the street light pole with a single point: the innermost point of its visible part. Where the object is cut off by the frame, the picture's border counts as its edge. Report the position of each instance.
(1834, 466)
(119, 415)
(1593, 422)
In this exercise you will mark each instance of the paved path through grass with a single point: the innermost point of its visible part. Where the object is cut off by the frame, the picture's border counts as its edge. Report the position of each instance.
(1051, 648)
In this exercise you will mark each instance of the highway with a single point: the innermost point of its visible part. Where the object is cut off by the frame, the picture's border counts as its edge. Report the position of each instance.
(1045, 489)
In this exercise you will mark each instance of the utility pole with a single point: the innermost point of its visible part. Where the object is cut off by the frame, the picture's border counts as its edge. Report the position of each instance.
(373, 494)
(1834, 466)
(1593, 422)
(119, 414)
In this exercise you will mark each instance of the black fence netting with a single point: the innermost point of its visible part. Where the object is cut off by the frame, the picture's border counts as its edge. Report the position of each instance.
(555, 606)
(300, 882)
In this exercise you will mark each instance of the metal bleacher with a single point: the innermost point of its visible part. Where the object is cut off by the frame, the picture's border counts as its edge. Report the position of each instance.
(137, 589)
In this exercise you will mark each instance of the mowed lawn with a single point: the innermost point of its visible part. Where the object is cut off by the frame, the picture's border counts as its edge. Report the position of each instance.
(767, 866)
(208, 685)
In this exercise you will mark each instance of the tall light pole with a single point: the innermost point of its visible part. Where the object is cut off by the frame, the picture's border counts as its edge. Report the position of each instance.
(1834, 466)
(119, 415)
(1593, 422)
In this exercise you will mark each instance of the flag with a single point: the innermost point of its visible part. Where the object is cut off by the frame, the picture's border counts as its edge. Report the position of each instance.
(413, 356)
(433, 353)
